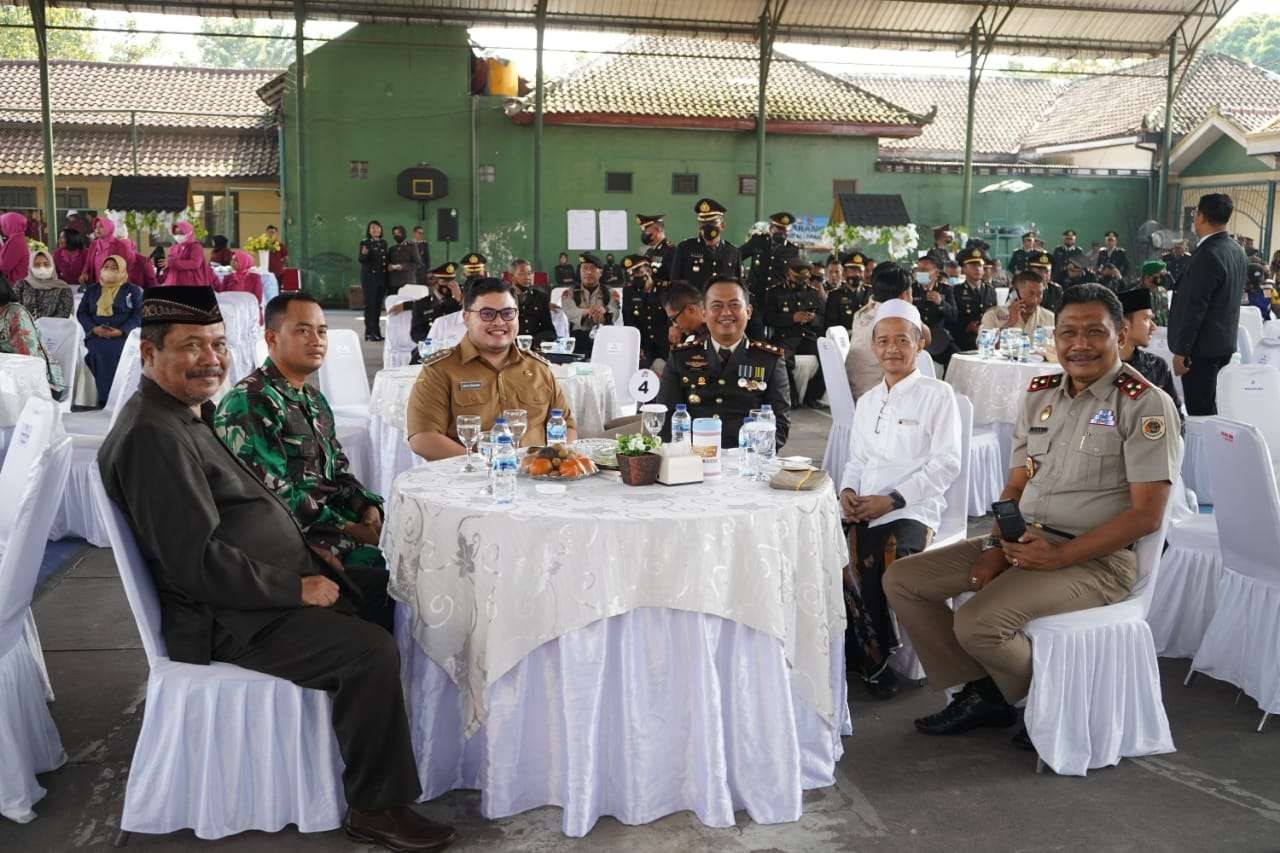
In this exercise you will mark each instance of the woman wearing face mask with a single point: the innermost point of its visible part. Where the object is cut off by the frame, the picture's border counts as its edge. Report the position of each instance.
(373, 277)
(187, 263)
(70, 256)
(15, 254)
(242, 278)
(105, 244)
(22, 337)
(109, 311)
(42, 292)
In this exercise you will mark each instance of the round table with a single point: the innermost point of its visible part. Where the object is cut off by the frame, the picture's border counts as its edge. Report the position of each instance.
(21, 378)
(994, 385)
(632, 651)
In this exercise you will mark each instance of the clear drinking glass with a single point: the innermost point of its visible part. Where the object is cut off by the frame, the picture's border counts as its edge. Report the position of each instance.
(468, 433)
(487, 443)
(567, 344)
(653, 416)
(547, 347)
(524, 342)
(518, 423)
(764, 441)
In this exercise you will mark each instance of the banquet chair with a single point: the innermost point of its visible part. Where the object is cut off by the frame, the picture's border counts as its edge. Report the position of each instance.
(988, 469)
(1244, 347)
(1250, 393)
(840, 335)
(1267, 351)
(1271, 329)
(63, 337)
(242, 320)
(447, 331)
(398, 347)
(840, 398)
(343, 379)
(1095, 685)
(1242, 643)
(557, 293)
(1251, 321)
(925, 364)
(559, 321)
(618, 348)
(261, 351)
(1186, 593)
(32, 476)
(77, 513)
(412, 292)
(222, 749)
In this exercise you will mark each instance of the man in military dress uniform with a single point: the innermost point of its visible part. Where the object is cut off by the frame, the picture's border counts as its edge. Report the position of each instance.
(941, 251)
(856, 271)
(658, 249)
(1018, 260)
(534, 304)
(1111, 253)
(1176, 262)
(972, 299)
(938, 312)
(1095, 451)
(846, 292)
(725, 374)
(1139, 324)
(474, 265)
(1060, 254)
(770, 254)
(699, 259)
(1042, 265)
(794, 313)
(445, 298)
(642, 308)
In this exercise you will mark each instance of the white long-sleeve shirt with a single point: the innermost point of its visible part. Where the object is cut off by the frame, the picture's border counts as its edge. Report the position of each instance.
(906, 438)
(448, 331)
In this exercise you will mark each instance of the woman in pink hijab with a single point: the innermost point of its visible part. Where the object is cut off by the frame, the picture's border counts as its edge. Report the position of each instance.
(104, 245)
(242, 278)
(187, 263)
(15, 255)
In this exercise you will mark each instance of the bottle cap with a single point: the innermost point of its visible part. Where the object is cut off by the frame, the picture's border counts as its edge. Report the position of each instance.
(681, 407)
(556, 413)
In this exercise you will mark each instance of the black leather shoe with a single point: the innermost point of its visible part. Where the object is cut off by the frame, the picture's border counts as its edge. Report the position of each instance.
(400, 829)
(966, 712)
(1022, 740)
(884, 685)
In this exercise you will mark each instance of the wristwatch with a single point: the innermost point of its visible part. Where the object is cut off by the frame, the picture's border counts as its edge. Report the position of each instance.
(898, 500)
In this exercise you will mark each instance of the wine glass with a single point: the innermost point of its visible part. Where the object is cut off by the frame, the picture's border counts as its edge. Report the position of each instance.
(517, 422)
(654, 415)
(468, 433)
(547, 347)
(524, 342)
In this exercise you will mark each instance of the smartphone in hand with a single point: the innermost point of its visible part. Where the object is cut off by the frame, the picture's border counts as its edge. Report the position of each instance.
(1009, 520)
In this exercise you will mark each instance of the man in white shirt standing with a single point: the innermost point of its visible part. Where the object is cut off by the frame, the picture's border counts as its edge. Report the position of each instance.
(904, 454)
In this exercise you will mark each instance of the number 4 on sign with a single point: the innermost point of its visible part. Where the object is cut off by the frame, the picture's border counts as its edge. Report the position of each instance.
(643, 386)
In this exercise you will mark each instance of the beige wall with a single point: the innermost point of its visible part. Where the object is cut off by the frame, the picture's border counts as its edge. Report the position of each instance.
(1112, 157)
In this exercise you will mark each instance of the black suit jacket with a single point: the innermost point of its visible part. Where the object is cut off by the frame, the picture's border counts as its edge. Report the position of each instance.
(694, 376)
(1205, 313)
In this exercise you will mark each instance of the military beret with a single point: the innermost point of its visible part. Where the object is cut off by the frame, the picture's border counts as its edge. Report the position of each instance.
(972, 255)
(445, 270)
(634, 261)
(1068, 233)
(1153, 267)
(708, 208)
(1112, 234)
(192, 305)
(1040, 260)
(782, 219)
(643, 219)
(588, 258)
(1135, 299)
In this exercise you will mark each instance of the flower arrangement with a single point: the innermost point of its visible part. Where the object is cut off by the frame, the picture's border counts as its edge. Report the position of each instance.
(637, 445)
(897, 241)
(261, 243)
(157, 221)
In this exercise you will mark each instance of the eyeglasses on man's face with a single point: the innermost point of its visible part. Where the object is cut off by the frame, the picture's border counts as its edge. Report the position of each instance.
(488, 315)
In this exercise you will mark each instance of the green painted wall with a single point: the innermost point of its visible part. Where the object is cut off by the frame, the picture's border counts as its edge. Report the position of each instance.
(396, 107)
(1223, 157)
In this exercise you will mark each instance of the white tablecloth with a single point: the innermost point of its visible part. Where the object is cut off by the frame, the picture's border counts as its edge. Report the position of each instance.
(995, 387)
(488, 585)
(21, 377)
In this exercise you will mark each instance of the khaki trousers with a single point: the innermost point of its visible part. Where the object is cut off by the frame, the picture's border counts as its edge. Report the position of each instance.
(984, 636)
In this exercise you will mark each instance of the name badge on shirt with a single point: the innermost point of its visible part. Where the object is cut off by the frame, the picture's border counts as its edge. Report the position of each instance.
(471, 385)
(1104, 417)
(904, 422)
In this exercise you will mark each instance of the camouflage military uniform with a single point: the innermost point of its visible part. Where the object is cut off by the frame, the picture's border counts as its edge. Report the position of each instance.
(286, 436)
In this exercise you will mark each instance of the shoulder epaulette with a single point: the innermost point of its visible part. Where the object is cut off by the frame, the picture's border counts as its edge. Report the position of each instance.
(695, 343)
(1045, 381)
(766, 347)
(537, 356)
(1131, 383)
(438, 355)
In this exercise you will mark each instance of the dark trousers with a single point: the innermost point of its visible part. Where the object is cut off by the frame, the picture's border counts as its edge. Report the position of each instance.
(356, 662)
(1200, 384)
(375, 290)
(872, 635)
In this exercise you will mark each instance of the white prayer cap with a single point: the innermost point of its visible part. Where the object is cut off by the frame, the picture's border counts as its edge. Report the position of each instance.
(899, 308)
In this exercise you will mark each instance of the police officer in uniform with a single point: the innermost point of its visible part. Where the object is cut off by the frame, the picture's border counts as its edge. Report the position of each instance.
(642, 308)
(474, 265)
(846, 295)
(699, 259)
(658, 249)
(534, 304)
(794, 313)
(1075, 271)
(1042, 265)
(1098, 449)
(1060, 254)
(972, 298)
(770, 254)
(854, 265)
(1018, 260)
(1112, 254)
(935, 301)
(725, 374)
(444, 298)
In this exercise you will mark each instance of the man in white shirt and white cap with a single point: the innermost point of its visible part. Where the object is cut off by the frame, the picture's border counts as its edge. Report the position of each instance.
(904, 454)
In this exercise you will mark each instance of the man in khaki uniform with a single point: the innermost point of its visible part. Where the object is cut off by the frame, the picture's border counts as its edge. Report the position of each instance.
(1024, 311)
(483, 375)
(1094, 453)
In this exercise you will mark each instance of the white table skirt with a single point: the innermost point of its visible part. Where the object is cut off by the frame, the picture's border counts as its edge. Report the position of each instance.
(994, 386)
(636, 716)
(589, 391)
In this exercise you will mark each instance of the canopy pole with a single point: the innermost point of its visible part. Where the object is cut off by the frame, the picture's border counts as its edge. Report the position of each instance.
(541, 25)
(762, 85)
(300, 76)
(966, 191)
(46, 120)
(1162, 191)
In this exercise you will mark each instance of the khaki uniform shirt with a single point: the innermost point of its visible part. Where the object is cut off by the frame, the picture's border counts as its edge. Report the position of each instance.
(1083, 453)
(458, 381)
(860, 364)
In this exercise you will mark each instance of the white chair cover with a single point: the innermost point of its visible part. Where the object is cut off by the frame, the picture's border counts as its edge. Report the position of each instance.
(32, 478)
(926, 365)
(125, 382)
(840, 335)
(1251, 322)
(222, 750)
(1095, 686)
(1268, 349)
(398, 347)
(559, 321)
(412, 291)
(1271, 329)
(557, 295)
(618, 348)
(1160, 346)
(242, 318)
(954, 525)
(63, 337)
(1186, 593)
(1244, 345)
(343, 379)
(1242, 643)
(1250, 394)
(1195, 464)
(988, 470)
(840, 398)
(260, 352)
(355, 436)
(1002, 296)
(447, 331)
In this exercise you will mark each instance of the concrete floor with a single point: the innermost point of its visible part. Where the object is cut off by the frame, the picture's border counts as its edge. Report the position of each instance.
(895, 790)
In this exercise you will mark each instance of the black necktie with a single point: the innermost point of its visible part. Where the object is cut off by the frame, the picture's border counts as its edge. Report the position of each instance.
(725, 354)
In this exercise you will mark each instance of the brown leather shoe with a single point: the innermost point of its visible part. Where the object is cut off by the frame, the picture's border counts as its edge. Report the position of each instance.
(400, 829)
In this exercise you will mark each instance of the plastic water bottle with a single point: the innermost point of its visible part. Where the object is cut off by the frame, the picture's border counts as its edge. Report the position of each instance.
(557, 429)
(501, 427)
(766, 450)
(681, 425)
(424, 349)
(746, 450)
(505, 466)
(986, 343)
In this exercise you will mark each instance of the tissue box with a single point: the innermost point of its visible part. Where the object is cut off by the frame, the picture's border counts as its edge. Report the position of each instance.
(677, 470)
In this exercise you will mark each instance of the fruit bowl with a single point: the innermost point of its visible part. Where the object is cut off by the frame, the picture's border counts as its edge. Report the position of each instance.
(557, 462)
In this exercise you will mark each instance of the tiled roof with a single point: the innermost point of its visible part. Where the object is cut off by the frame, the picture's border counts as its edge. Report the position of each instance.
(243, 154)
(209, 96)
(1006, 108)
(1132, 101)
(659, 76)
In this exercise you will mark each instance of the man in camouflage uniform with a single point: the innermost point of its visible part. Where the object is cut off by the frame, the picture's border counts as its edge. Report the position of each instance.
(283, 430)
